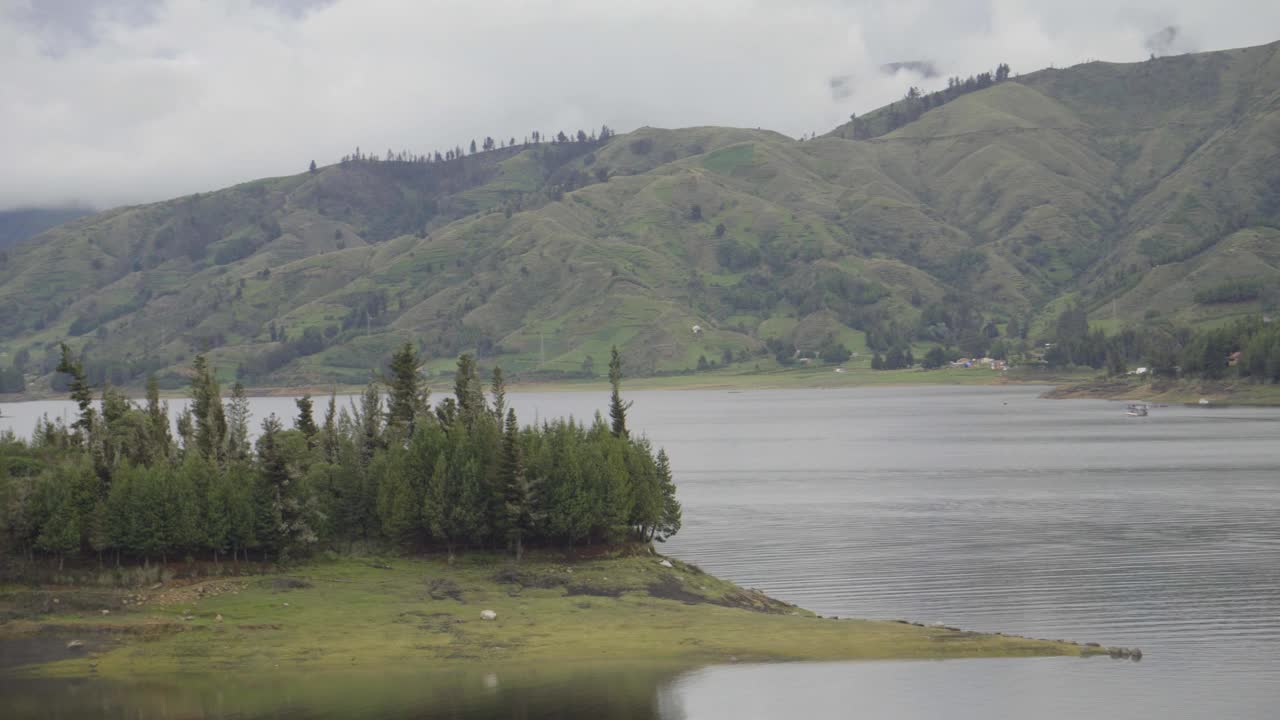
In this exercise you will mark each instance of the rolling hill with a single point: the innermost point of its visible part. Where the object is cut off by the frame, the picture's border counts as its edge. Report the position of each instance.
(1137, 190)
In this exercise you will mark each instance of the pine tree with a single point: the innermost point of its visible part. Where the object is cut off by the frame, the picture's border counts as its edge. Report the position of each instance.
(617, 408)
(60, 532)
(499, 390)
(99, 529)
(207, 412)
(467, 390)
(669, 524)
(159, 433)
(518, 506)
(407, 395)
(398, 508)
(272, 479)
(369, 418)
(238, 416)
(436, 503)
(80, 390)
(329, 433)
(305, 423)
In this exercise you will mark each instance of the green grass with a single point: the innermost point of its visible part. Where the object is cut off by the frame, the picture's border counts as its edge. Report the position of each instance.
(549, 611)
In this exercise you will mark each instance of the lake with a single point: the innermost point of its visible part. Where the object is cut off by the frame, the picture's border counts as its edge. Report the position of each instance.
(986, 508)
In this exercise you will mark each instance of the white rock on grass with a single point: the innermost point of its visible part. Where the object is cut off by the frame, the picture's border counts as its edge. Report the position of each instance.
(488, 615)
(666, 563)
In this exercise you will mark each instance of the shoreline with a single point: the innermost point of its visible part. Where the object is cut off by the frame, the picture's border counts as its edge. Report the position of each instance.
(1065, 385)
(797, 378)
(1184, 392)
(348, 613)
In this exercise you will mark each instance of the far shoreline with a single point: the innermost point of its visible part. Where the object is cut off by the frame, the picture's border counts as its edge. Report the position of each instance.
(1063, 385)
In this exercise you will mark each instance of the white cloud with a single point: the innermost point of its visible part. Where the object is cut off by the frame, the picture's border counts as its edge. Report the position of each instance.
(176, 96)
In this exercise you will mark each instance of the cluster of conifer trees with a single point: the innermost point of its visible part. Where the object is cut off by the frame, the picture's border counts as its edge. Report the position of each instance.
(457, 153)
(1248, 348)
(392, 469)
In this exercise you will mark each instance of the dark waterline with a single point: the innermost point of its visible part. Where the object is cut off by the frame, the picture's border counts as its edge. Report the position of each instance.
(981, 507)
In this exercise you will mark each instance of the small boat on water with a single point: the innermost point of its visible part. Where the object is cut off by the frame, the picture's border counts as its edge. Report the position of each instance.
(1136, 410)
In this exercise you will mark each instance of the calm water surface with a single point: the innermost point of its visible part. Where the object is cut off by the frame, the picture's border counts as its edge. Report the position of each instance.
(986, 508)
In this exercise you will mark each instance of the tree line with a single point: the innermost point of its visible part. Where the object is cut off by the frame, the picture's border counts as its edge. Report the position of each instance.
(392, 470)
(917, 102)
(1247, 349)
(487, 144)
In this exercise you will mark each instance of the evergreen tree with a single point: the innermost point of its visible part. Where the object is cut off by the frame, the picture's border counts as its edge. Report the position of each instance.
(99, 529)
(329, 433)
(499, 390)
(305, 423)
(238, 416)
(60, 532)
(669, 523)
(399, 509)
(159, 433)
(467, 390)
(81, 392)
(407, 398)
(369, 418)
(269, 487)
(207, 412)
(436, 501)
(617, 408)
(518, 500)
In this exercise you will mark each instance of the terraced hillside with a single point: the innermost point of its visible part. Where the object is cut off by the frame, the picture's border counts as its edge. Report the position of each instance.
(1139, 190)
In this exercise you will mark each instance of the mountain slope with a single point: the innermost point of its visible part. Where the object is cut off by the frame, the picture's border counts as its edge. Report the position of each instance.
(1139, 190)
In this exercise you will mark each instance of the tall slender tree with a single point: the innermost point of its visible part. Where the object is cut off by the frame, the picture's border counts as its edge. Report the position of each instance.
(306, 423)
(407, 395)
(499, 390)
(81, 392)
(617, 408)
(238, 416)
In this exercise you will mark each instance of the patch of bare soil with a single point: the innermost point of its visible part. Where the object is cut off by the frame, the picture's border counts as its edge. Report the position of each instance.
(189, 593)
(444, 589)
(669, 587)
(525, 578)
(594, 590)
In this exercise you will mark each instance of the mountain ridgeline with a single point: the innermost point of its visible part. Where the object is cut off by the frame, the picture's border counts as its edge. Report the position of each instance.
(1141, 193)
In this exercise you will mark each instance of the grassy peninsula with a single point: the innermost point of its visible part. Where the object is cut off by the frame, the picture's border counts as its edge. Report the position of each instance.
(566, 512)
(361, 614)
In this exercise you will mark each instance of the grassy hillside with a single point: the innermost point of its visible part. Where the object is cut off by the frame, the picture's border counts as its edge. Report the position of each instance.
(1140, 190)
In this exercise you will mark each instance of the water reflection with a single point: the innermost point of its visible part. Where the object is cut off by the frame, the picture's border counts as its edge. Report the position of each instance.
(612, 693)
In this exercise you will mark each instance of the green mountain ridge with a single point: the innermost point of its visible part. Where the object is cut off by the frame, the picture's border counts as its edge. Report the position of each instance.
(1138, 190)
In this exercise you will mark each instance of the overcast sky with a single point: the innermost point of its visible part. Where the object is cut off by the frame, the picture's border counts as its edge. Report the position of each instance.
(107, 102)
